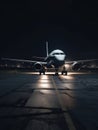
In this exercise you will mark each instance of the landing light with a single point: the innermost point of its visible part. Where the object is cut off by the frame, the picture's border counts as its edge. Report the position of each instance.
(67, 66)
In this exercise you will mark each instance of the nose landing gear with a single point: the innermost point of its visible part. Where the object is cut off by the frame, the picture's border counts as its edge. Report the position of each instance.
(64, 71)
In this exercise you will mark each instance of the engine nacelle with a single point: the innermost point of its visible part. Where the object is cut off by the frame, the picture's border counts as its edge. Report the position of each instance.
(38, 66)
(77, 66)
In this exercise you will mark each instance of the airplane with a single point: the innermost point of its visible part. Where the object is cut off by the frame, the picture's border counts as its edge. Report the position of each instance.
(55, 59)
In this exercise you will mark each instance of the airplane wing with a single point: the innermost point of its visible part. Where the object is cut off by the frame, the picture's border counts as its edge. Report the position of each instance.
(80, 61)
(38, 58)
(78, 64)
(22, 60)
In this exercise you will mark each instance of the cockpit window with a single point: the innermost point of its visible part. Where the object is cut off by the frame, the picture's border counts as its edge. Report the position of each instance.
(62, 53)
(58, 54)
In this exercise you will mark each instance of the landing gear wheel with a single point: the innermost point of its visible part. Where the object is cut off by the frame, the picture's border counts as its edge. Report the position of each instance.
(64, 72)
(42, 72)
(56, 74)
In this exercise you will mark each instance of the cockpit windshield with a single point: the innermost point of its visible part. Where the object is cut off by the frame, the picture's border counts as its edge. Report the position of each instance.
(58, 53)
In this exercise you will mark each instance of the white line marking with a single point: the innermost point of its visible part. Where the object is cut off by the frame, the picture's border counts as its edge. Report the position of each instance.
(66, 114)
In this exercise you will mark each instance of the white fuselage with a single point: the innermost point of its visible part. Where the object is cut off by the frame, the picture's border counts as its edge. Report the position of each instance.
(56, 58)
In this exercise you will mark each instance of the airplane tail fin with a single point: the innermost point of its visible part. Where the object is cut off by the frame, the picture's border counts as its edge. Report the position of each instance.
(47, 48)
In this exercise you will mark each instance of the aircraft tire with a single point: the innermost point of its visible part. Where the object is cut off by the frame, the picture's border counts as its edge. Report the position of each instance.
(42, 72)
(64, 72)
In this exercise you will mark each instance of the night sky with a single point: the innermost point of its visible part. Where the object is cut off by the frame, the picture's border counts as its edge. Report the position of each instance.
(66, 25)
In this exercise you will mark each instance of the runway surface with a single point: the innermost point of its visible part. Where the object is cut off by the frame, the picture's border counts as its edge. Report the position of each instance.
(29, 101)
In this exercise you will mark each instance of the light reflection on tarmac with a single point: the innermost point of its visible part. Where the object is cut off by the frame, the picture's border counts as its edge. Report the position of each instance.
(29, 101)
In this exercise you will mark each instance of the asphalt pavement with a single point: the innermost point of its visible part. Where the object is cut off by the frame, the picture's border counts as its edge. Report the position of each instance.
(29, 101)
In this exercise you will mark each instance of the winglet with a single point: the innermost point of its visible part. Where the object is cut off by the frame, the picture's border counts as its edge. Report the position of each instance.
(47, 48)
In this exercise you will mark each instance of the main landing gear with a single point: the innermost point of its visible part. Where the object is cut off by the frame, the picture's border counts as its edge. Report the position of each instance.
(42, 71)
(64, 72)
(56, 74)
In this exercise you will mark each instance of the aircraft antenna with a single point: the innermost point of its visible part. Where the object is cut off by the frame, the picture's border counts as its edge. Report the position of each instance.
(47, 48)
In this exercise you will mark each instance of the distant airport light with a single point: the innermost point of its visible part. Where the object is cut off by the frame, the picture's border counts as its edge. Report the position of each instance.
(18, 66)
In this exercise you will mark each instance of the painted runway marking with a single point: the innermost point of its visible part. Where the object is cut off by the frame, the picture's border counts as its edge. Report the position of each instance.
(67, 117)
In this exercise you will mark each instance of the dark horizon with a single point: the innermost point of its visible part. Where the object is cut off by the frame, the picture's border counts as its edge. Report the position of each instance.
(70, 27)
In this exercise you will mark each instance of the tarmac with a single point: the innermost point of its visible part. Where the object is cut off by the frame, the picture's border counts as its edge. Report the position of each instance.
(29, 101)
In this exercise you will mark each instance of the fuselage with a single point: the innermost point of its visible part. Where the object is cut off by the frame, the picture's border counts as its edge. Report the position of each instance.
(56, 58)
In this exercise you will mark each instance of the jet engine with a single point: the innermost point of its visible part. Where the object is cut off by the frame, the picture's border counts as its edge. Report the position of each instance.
(38, 66)
(77, 66)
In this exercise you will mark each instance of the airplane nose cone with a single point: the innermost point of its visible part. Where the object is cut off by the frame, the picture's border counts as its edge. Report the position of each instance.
(60, 57)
